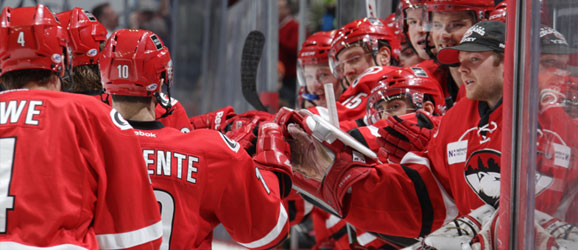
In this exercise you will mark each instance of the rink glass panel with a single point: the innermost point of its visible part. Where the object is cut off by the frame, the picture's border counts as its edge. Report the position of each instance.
(539, 156)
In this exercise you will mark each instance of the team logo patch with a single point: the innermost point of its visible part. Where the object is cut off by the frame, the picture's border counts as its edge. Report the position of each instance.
(92, 52)
(152, 87)
(483, 175)
(233, 145)
(56, 58)
(118, 120)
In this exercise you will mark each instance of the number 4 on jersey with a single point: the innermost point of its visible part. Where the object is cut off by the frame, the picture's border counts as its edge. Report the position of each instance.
(7, 146)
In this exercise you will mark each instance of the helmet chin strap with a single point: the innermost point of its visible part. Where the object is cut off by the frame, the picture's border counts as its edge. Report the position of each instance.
(428, 48)
(166, 104)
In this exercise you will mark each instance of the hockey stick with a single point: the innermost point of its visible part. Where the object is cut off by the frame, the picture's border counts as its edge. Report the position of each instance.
(250, 58)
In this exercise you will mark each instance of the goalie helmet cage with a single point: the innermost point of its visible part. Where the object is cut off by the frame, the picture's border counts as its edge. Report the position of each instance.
(521, 113)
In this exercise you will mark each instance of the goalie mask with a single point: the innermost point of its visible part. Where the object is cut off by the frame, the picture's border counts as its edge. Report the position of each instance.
(403, 91)
(32, 38)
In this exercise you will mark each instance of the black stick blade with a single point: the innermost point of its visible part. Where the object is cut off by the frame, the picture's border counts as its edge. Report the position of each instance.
(250, 58)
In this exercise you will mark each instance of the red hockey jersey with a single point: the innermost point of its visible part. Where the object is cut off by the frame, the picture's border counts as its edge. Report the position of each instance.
(202, 179)
(458, 172)
(177, 119)
(71, 176)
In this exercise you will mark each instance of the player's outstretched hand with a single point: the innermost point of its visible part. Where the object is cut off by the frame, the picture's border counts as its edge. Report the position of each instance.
(308, 156)
(212, 120)
(324, 167)
(407, 133)
(244, 128)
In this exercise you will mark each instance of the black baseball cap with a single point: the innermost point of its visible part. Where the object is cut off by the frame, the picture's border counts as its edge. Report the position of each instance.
(552, 42)
(483, 36)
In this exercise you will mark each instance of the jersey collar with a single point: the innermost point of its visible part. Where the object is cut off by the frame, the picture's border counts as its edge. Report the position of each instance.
(150, 125)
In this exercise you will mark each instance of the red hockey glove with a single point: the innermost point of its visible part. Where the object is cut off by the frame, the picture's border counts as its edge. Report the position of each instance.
(273, 155)
(324, 167)
(244, 128)
(407, 133)
(212, 120)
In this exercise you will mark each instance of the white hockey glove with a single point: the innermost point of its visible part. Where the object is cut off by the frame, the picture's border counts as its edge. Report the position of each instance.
(458, 233)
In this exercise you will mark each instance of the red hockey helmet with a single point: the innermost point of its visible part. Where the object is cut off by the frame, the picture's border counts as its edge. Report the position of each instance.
(314, 51)
(366, 32)
(316, 47)
(395, 43)
(31, 38)
(499, 13)
(411, 84)
(133, 62)
(481, 8)
(401, 12)
(85, 34)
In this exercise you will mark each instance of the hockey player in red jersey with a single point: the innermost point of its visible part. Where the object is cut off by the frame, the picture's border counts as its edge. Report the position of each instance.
(201, 178)
(447, 21)
(410, 16)
(313, 69)
(359, 45)
(86, 36)
(399, 93)
(430, 188)
(71, 169)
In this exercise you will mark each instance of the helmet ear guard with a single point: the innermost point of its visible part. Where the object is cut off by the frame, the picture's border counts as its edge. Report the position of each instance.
(165, 101)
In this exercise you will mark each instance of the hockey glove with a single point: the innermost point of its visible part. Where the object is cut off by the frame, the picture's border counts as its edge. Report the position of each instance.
(458, 233)
(552, 233)
(244, 128)
(273, 155)
(407, 133)
(212, 120)
(324, 167)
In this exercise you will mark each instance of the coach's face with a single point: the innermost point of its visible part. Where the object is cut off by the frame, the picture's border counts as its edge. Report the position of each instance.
(483, 74)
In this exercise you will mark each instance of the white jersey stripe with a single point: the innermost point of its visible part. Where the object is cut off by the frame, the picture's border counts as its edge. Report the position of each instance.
(273, 234)
(18, 246)
(365, 238)
(451, 208)
(130, 239)
(332, 221)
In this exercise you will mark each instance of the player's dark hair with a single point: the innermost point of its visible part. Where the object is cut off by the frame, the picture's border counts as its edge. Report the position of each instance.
(132, 99)
(98, 10)
(19, 78)
(86, 78)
